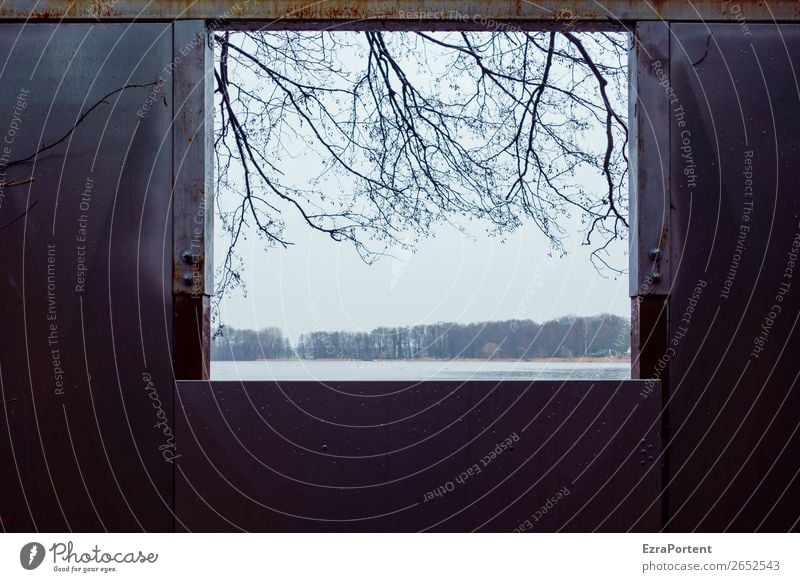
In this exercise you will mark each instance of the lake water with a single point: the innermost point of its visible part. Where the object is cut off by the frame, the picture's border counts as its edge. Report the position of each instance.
(284, 370)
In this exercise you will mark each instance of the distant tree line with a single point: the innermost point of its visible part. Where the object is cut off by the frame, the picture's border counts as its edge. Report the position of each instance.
(566, 337)
(246, 344)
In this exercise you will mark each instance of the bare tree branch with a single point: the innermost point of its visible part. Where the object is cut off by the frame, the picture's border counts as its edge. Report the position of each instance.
(373, 138)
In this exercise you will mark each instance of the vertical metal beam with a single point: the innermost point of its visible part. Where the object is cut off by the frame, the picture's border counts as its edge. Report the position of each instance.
(650, 260)
(649, 103)
(650, 256)
(192, 214)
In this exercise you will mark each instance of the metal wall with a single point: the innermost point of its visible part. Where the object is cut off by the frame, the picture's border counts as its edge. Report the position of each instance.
(85, 277)
(105, 135)
(714, 272)
(733, 398)
(426, 456)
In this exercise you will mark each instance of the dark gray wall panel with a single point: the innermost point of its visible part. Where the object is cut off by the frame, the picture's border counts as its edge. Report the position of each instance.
(734, 444)
(354, 456)
(84, 454)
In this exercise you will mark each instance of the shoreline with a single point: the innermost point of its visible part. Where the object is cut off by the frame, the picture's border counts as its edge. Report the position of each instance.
(579, 360)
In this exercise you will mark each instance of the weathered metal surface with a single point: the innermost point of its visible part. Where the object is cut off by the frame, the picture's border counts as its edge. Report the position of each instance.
(649, 120)
(85, 290)
(356, 456)
(192, 76)
(649, 337)
(734, 446)
(470, 14)
(650, 273)
(650, 361)
(192, 337)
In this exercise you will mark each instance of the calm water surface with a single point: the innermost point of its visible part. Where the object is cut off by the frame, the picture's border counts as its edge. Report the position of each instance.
(416, 370)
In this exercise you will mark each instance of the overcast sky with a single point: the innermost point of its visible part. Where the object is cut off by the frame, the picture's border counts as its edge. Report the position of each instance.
(319, 284)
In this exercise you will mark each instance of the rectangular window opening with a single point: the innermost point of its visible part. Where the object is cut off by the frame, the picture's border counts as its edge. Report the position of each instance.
(421, 206)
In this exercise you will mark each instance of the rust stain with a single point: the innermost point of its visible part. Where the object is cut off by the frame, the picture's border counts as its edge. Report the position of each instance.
(296, 10)
(664, 241)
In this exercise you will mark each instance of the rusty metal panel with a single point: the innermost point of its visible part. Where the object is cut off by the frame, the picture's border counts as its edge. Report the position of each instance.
(422, 456)
(733, 437)
(85, 289)
(462, 13)
(192, 76)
